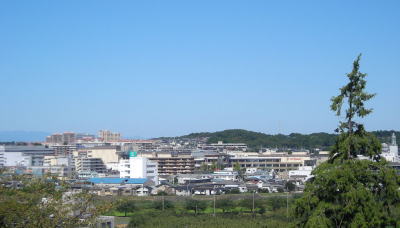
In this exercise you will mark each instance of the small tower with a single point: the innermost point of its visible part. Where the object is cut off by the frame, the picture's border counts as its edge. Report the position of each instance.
(394, 140)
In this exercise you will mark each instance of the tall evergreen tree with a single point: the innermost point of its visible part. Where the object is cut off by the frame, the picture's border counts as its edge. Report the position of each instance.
(353, 140)
(346, 191)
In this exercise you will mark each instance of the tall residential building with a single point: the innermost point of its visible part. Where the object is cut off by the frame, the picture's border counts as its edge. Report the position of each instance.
(66, 138)
(138, 167)
(108, 136)
(171, 165)
(63, 150)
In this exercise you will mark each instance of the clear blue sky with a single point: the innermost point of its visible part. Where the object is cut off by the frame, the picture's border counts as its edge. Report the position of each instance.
(167, 68)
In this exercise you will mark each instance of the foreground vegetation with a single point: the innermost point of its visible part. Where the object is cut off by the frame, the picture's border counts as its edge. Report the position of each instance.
(270, 210)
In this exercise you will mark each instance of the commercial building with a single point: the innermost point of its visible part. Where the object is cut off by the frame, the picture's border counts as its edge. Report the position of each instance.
(220, 146)
(23, 155)
(278, 163)
(108, 154)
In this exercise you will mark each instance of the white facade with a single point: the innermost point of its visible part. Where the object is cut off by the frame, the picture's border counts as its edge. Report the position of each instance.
(225, 175)
(391, 152)
(302, 174)
(138, 167)
(14, 159)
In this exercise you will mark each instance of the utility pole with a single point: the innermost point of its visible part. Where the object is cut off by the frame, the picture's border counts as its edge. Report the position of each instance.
(287, 203)
(214, 200)
(163, 205)
(253, 202)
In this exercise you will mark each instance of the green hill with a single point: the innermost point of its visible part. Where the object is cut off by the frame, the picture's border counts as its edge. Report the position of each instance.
(256, 140)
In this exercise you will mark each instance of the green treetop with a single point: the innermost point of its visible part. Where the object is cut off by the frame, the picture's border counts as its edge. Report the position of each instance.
(353, 139)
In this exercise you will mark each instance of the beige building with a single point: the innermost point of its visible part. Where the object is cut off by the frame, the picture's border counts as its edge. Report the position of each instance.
(277, 162)
(108, 154)
(108, 136)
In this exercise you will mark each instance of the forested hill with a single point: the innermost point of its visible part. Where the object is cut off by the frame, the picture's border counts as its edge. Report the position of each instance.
(295, 140)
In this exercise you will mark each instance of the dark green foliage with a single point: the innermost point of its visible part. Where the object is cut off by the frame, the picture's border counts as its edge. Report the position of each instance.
(248, 203)
(276, 203)
(126, 206)
(200, 221)
(232, 191)
(224, 204)
(162, 193)
(160, 206)
(354, 193)
(290, 186)
(195, 205)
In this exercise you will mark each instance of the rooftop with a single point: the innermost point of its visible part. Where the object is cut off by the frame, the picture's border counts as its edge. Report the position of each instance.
(111, 180)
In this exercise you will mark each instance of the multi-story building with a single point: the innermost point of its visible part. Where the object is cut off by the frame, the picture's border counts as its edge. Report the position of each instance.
(170, 165)
(63, 150)
(138, 167)
(108, 136)
(23, 155)
(55, 139)
(278, 163)
(85, 164)
(61, 139)
(108, 154)
(68, 138)
(220, 146)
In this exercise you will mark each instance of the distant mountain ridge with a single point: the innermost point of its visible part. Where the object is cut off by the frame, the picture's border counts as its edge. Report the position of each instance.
(256, 140)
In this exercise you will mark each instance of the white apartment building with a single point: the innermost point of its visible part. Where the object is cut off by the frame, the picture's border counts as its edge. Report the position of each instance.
(138, 167)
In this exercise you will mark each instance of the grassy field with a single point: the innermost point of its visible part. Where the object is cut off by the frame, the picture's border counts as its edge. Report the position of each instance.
(270, 211)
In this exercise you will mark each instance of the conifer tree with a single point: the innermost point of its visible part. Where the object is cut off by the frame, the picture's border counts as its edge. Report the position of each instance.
(347, 191)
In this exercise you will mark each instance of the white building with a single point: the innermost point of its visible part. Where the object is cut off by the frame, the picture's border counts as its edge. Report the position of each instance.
(225, 175)
(14, 159)
(302, 174)
(138, 167)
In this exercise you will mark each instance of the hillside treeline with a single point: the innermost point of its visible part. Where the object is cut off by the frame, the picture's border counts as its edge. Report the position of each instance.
(256, 140)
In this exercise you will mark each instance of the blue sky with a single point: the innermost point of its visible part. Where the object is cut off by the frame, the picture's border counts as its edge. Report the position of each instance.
(167, 68)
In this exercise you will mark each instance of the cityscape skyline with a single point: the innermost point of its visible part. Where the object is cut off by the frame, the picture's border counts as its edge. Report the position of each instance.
(176, 68)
